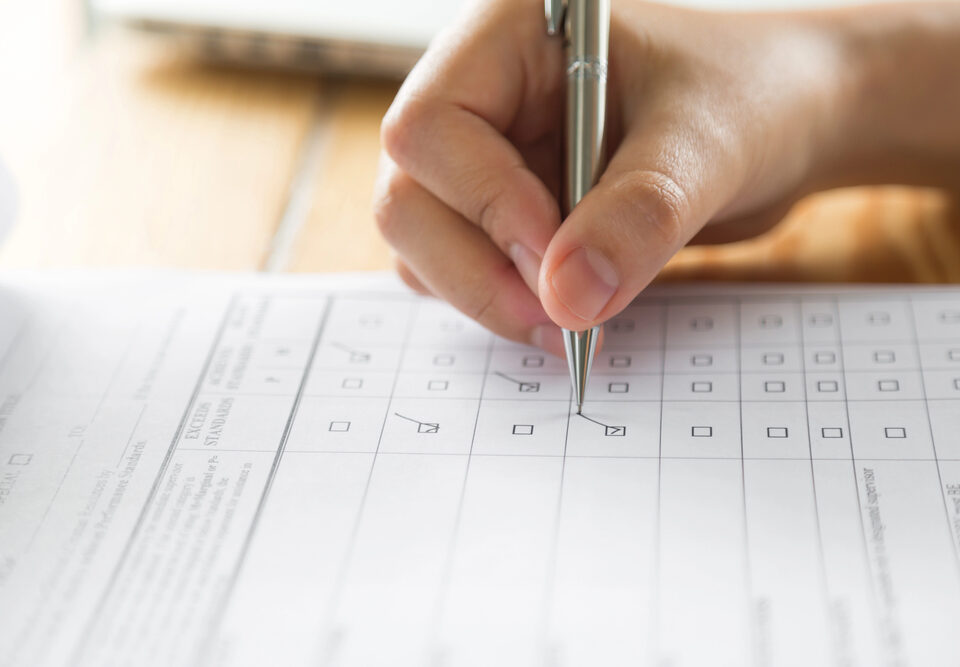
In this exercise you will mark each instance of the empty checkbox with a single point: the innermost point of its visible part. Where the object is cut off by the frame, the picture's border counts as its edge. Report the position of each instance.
(618, 387)
(529, 387)
(620, 361)
(428, 427)
(774, 386)
(438, 385)
(532, 361)
(831, 432)
(884, 356)
(339, 427)
(701, 323)
(888, 385)
(771, 322)
(701, 360)
(352, 383)
(443, 360)
(825, 357)
(878, 318)
(777, 432)
(701, 431)
(827, 386)
(20, 459)
(821, 320)
(773, 359)
(895, 432)
(523, 429)
(704, 387)
(614, 431)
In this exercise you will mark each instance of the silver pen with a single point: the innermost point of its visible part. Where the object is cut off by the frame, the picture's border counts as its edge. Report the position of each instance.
(585, 27)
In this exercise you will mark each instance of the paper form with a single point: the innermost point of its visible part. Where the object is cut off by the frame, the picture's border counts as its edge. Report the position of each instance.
(232, 470)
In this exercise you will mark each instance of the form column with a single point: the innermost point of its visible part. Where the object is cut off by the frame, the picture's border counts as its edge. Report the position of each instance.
(702, 551)
(398, 564)
(908, 539)
(850, 607)
(604, 597)
(786, 574)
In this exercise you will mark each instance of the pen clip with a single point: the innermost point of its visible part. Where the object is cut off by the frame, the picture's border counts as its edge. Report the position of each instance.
(555, 11)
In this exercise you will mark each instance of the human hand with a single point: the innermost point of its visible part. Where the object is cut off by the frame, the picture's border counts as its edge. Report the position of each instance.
(717, 123)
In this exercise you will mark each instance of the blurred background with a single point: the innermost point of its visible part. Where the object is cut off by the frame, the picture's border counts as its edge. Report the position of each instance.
(243, 134)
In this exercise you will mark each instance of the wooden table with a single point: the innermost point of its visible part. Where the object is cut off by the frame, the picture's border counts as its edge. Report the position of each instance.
(128, 154)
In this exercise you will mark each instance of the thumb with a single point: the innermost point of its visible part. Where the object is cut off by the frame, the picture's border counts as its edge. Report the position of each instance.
(621, 234)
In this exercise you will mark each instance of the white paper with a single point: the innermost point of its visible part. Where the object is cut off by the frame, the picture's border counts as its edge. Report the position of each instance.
(233, 470)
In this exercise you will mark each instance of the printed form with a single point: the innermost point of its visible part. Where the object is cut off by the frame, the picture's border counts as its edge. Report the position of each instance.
(236, 470)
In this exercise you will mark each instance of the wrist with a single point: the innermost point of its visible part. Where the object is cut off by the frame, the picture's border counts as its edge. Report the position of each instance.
(897, 97)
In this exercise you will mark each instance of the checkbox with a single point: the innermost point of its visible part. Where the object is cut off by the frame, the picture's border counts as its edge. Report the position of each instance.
(884, 356)
(523, 429)
(821, 320)
(622, 325)
(954, 354)
(774, 386)
(443, 360)
(614, 431)
(438, 385)
(950, 316)
(352, 383)
(895, 432)
(771, 322)
(701, 431)
(704, 387)
(825, 357)
(339, 427)
(878, 318)
(773, 359)
(701, 323)
(428, 427)
(620, 361)
(701, 360)
(359, 357)
(370, 321)
(827, 386)
(532, 361)
(888, 385)
(956, 383)
(618, 387)
(777, 432)
(529, 387)
(831, 432)
(20, 459)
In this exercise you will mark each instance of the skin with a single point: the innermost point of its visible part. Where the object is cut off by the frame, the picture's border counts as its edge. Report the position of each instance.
(717, 124)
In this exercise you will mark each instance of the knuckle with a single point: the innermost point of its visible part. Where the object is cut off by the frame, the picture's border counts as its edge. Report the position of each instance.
(388, 202)
(661, 203)
(400, 125)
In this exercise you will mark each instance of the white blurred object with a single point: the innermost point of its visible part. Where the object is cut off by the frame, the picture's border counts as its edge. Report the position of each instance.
(8, 202)
(382, 37)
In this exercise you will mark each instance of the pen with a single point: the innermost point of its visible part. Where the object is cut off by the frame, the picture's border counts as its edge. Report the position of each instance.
(585, 27)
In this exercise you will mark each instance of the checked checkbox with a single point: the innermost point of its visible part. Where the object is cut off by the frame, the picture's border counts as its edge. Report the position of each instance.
(528, 387)
(428, 427)
(614, 431)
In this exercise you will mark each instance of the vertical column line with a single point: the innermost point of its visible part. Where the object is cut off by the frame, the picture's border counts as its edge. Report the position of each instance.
(813, 474)
(926, 408)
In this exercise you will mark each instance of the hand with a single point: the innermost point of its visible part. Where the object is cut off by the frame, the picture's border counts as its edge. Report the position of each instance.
(717, 124)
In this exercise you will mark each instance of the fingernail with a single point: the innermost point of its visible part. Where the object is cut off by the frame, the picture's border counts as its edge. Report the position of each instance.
(585, 282)
(527, 263)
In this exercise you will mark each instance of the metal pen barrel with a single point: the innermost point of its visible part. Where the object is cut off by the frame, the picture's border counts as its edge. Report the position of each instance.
(586, 44)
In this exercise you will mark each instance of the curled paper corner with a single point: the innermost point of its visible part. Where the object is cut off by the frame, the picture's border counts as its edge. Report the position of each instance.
(8, 201)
